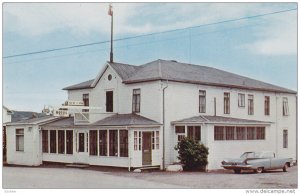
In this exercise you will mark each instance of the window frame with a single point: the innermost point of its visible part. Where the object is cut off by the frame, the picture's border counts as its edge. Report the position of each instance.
(267, 105)
(20, 133)
(226, 102)
(241, 100)
(250, 104)
(285, 106)
(202, 101)
(136, 100)
(285, 141)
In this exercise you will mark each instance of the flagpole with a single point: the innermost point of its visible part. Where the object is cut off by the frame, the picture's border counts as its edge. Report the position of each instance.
(111, 38)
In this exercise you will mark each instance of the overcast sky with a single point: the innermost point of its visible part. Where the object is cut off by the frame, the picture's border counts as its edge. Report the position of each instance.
(263, 48)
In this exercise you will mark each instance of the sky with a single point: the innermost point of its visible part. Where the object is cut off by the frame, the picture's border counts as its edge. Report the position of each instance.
(263, 48)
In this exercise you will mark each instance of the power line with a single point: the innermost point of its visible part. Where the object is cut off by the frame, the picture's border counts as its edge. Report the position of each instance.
(135, 44)
(150, 34)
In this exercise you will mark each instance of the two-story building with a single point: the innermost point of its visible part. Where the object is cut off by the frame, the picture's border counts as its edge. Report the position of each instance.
(135, 115)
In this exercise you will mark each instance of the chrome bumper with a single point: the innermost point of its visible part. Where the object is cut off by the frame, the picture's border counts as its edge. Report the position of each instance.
(237, 167)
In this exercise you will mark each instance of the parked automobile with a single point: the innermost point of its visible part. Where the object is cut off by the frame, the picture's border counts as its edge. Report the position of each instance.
(258, 162)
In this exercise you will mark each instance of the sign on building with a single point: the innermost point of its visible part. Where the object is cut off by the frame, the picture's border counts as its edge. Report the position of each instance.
(74, 103)
(61, 113)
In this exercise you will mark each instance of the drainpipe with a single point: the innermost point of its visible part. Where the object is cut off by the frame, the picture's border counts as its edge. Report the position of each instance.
(163, 159)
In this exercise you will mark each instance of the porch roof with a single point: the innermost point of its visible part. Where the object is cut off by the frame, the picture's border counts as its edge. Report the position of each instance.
(207, 119)
(115, 120)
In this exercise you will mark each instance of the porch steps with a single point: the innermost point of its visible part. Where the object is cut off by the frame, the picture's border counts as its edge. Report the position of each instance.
(78, 165)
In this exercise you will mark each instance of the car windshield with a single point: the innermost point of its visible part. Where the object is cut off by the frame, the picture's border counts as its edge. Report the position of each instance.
(251, 155)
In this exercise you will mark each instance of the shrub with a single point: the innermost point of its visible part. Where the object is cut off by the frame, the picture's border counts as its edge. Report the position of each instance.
(192, 155)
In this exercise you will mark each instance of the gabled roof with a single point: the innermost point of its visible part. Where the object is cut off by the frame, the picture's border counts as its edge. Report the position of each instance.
(186, 73)
(125, 120)
(115, 120)
(34, 121)
(218, 120)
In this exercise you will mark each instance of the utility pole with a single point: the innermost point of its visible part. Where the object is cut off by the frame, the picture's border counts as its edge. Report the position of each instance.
(110, 12)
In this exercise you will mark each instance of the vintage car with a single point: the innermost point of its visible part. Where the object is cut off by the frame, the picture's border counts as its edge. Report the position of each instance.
(258, 162)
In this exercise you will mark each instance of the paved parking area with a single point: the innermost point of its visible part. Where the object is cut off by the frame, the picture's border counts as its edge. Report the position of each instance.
(40, 177)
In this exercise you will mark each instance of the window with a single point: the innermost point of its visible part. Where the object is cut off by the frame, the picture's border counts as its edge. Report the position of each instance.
(52, 141)
(113, 142)
(153, 140)
(157, 139)
(250, 133)
(260, 133)
(109, 77)
(229, 133)
(45, 141)
(109, 101)
(285, 138)
(20, 140)
(219, 133)
(136, 100)
(135, 145)
(267, 105)
(240, 133)
(69, 143)
(179, 129)
(93, 143)
(202, 101)
(61, 141)
(194, 132)
(85, 98)
(250, 104)
(285, 106)
(226, 103)
(123, 143)
(241, 100)
(103, 142)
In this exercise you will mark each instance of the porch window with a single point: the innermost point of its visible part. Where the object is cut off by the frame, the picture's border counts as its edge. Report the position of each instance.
(103, 142)
(267, 105)
(260, 133)
(153, 140)
(219, 133)
(136, 100)
(250, 133)
(20, 140)
(113, 142)
(45, 141)
(229, 133)
(240, 133)
(61, 141)
(140, 140)
(93, 143)
(241, 100)
(250, 104)
(157, 139)
(285, 106)
(135, 140)
(123, 143)
(69, 143)
(226, 103)
(52, 141)
(194, 133)
(202, 101)
(180, 131)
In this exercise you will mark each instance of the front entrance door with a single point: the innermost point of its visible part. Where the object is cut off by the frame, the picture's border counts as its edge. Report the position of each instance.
(82, 147)
(147, 152)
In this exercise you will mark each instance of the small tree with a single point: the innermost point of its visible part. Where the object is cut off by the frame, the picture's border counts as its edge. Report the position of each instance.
(192, 155)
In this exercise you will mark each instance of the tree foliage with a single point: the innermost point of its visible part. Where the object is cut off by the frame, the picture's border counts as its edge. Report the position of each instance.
(192, 155)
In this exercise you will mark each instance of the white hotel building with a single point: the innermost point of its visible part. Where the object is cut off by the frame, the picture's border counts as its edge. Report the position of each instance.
(143, 111)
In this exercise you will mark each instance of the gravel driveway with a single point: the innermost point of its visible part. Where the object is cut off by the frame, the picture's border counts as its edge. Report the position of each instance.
(27, 177)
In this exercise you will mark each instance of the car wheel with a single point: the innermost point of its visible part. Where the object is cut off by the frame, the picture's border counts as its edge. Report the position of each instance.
(285, 167)
(237, 171)
(259, 170)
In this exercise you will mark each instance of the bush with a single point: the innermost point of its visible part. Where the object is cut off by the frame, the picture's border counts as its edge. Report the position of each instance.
(192, 155)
